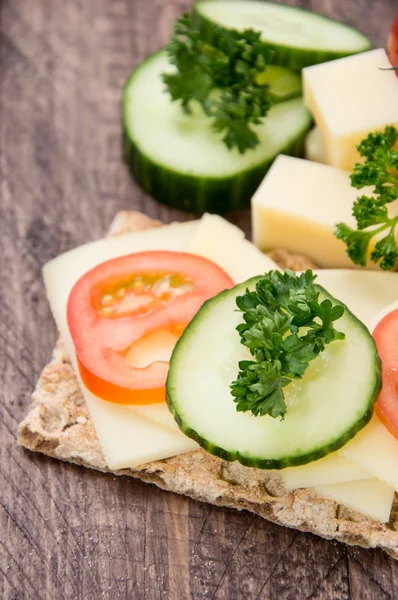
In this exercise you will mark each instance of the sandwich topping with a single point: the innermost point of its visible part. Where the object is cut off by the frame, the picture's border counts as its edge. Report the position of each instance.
(120, 302)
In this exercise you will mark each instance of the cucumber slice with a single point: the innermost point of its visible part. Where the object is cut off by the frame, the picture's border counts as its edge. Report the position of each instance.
(325, 409)
(182, 162)
(299, 37)
(284, 84)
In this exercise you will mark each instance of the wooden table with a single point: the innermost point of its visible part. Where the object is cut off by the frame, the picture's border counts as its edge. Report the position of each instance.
(67, 533)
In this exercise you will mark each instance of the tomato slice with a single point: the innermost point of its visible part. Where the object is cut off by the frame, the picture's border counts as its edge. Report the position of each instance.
(393, 44)
(386, 338)
(120, 302)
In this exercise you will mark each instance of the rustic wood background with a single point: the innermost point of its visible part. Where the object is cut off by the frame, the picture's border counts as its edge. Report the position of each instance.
(65, 532)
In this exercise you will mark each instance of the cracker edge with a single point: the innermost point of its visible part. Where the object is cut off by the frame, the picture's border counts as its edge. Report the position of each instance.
(58, 425)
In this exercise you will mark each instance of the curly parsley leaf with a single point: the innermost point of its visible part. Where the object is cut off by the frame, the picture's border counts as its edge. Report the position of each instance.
(380, 170)
(223, 77)
(285, 327)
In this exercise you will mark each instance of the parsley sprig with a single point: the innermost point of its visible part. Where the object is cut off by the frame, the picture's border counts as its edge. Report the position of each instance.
(285, 327)
(223, 77)
(380, 169)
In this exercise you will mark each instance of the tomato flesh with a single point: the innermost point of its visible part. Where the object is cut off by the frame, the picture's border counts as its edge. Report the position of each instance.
(386, 338)
(393, 44)
(119, 302)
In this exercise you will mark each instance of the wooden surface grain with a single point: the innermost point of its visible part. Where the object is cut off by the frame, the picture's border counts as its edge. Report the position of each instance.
(67, 533)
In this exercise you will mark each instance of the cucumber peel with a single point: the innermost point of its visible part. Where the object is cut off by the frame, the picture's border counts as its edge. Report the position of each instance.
(325, 409)
(299, 37)
(181, 161)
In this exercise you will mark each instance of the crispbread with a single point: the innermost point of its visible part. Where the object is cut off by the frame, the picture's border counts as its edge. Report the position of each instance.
(58, 424)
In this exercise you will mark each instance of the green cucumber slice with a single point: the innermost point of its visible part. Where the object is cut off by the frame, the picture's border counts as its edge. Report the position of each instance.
(182, 162)
(325, 409)
(284, 84)
(299, 37)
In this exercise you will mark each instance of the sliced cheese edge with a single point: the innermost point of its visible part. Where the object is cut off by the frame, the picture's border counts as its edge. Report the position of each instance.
(133, 435)
(61, 273)
(375, 450)
(364, 292)
(331, 469)
(225, 244)
(370, 497)
(127, 439)
(156, 413)
(381, 314)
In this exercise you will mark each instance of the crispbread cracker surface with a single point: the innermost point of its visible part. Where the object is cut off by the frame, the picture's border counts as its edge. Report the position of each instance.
(58, 424)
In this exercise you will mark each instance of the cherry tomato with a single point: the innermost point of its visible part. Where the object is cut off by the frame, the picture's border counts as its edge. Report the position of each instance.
(386, 338)
(393, 44)
(120, 302)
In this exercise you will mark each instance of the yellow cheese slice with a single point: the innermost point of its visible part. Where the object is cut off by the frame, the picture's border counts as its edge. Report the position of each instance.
(129, 440)
(375, 450)
(126, 439)
(364, 292)
(225, 244)
(370, 497)
(326, 471)
(383, 312)
(156, 346)
(61, 273)
(128, 434)
(348, 98)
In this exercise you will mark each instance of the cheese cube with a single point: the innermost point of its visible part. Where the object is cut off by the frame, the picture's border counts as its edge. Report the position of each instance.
(297, 207)
(314, 146)
(349, 98)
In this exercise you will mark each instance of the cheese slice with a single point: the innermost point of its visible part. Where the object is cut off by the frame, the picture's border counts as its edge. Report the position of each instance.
(375, 450)
(61, 273)
(364, 292)
(370, 497)
(225, 244)
(367, 294)
(381, 314)
(132, 435)
(127, 439)
(349, 98)
(297, 207)
(157, 346)
(314, 146)
(326, 471)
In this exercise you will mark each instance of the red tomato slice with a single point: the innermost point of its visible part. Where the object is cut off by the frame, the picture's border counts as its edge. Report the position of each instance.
(393, 44)
(122, 300)
(386, 338)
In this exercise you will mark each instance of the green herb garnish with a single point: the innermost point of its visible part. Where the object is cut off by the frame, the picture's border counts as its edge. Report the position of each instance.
(380, 169)
(285, 327)
(222, 77)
